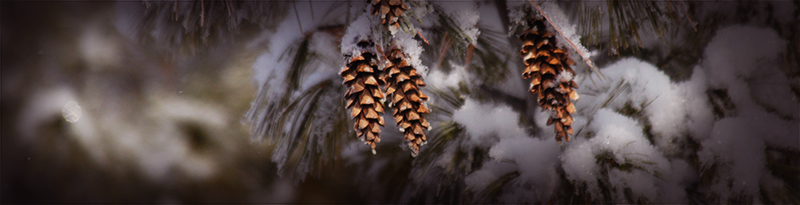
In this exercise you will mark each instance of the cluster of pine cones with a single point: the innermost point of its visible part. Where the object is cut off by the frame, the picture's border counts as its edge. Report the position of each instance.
(546, 65)
(364, 78)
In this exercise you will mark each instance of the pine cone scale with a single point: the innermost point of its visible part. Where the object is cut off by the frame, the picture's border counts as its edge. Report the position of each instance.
(389, 11)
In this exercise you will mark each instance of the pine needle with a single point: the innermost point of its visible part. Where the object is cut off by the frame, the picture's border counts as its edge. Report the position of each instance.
(469, 56)
(685, 13)
(443, 49)
(423, 38)
(202, 13)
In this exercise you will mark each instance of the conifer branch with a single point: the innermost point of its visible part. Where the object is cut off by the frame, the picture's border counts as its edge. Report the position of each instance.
(586, 59)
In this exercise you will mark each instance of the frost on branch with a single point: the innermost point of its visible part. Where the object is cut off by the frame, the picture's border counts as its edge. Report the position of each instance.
(296, 106)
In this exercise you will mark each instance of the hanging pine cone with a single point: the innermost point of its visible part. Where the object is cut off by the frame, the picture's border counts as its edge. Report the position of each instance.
(364, 96)
(390, 11)
(406, 98)
(552, 77)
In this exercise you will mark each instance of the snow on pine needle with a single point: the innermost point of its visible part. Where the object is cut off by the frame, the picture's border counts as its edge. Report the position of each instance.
(639, 135)
(296, 107)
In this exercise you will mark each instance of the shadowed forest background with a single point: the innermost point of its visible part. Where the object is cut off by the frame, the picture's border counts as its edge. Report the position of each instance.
(117, 102)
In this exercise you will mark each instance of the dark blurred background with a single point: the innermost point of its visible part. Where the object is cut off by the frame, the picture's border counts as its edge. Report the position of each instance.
(91, 114)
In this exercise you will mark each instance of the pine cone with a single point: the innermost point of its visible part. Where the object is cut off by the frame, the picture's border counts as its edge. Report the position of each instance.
(406, 98)
(364, 96)
(390, 11)
(552, 77)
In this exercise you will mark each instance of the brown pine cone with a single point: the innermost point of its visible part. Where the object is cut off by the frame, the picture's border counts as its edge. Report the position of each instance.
(390, 11)
(552, 77)
(406, 98)
(364, 96)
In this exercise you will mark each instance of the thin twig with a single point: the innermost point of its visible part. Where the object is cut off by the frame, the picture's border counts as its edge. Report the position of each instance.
(588, 61)
(423, 38)
(469, 56)
(443, 49)
(685, 13)
(202, 13)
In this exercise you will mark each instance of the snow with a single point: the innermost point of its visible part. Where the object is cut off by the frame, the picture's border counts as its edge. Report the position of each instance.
(485, 122)
(698, 108)
(358, 30)
(569, 31)
(326, 68)
(643, 87)
(754, 81)
(536, 161)
(490, 172)
(751, 69)
(632, 127)
(517, 14)
(516, 10)
(736, 147)
(324, 45)
(728, 57)
(271, 67)
(737, 142)
(412, 49)
(623, 139)
(439, 79)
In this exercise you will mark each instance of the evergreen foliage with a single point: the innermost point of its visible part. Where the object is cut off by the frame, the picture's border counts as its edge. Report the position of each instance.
(310, 132)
